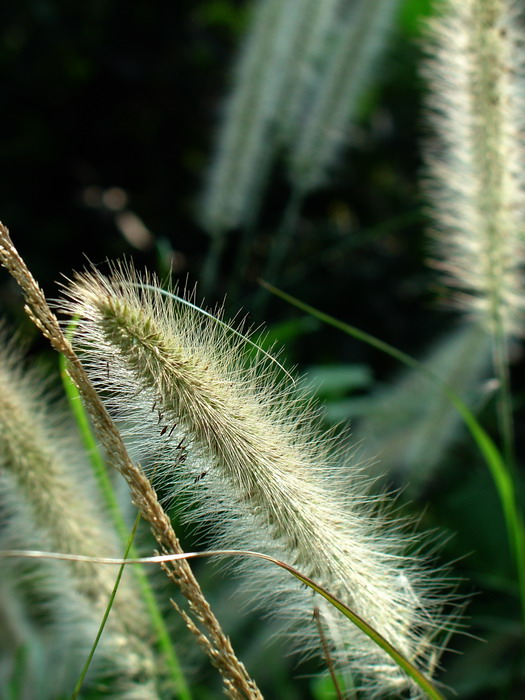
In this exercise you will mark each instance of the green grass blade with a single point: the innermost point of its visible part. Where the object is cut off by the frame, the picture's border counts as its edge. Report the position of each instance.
(500, 472)
(83, 673)
(424, 683)
(106, 488)
(375, 636)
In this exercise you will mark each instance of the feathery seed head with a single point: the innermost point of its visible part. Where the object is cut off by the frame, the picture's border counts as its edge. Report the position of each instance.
(241, 444)
(247, 139)
(354, 40)
(50, 505)
(475, 173)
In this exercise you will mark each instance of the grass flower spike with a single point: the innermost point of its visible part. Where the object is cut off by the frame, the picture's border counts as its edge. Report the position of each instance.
(241, 444)
(476, 177)
(246, 142)
(358, 38)
(48, 503)
(200, 621)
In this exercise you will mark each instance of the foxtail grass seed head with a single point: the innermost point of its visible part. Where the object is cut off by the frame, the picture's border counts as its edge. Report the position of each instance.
(225, 430)
(45, 612)
(475, 165)
(236, 680)
(355, 42)
(39, 463)
(246, 141)
(318, 25)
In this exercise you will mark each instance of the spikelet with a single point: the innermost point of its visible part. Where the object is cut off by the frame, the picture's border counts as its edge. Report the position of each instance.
(476, 177)
(39, 463)
(242, 446)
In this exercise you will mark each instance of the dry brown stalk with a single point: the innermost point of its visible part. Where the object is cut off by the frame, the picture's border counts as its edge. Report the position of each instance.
(238, 684)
